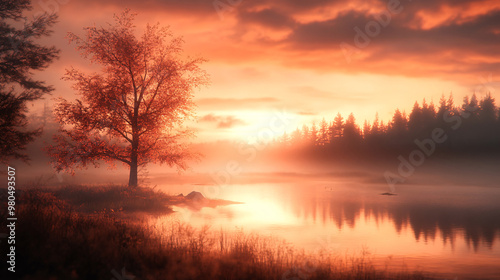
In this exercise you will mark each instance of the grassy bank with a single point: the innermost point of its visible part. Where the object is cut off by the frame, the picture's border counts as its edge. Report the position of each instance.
(57, 242)
(116, 199)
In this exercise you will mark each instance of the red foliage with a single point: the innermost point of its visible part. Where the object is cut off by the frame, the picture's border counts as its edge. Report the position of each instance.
(133, 109)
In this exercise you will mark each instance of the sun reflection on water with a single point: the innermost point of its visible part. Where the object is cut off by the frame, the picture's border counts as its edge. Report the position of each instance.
(405, 231)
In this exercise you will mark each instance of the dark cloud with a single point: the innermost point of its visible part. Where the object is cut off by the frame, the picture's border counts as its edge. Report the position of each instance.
(198, 7)
(479, 32)
(222, 121)
(478, 36)
(267, 18)
(290, 6)
(440, 34)
(328, 33)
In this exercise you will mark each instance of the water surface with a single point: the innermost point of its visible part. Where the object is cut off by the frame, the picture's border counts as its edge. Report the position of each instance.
(452, 231)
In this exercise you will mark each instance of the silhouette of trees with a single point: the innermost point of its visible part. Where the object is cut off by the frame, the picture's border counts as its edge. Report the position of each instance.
(323, 138)
(351, 133)
(471, 128)
(374, 135)
(416, 120)
(398, 127)
(305, 133)
(337, 128)
(20, 55)
(487, 110)
(133, 110)
(296, 136)
(313, 135)
(366, 129)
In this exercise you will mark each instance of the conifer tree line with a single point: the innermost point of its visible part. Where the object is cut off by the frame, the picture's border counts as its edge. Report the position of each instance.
(471, 127)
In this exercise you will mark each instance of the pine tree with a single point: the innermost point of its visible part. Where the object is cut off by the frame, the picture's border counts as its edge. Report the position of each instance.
(313, 134)
(338, 127)
(323, 133)
(20, 55)
(366, 129)
(351, 132)
(487, 109)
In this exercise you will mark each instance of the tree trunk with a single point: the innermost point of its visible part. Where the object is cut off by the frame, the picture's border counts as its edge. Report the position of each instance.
(132, 179)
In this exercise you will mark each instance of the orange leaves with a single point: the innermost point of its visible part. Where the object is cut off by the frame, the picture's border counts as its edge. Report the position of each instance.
(130, 111)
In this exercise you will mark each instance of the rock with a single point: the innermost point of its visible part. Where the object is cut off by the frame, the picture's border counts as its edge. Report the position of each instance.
(194, 195)
(196, 200)
(387, 193)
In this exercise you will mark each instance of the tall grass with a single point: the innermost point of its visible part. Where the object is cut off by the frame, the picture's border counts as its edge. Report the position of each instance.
(112, 199)
(56, 242)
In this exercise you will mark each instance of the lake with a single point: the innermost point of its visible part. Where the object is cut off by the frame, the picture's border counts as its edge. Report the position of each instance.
(450, 231)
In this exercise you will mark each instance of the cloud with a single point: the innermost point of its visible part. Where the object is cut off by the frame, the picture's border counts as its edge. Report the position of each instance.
(318, 94)
(235, 103)
(209, 118)
(267, 18)
(306, 113)
(451, 39)
(223, 121)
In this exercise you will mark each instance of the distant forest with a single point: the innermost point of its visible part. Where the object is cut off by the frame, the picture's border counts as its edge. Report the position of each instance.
(472, 128)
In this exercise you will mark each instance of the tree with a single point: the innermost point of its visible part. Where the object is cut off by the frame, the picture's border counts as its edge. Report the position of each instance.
(366, 129)
(397, 131)
(285, 139)
(470, 108)
(416, 122)
(487, 109)
(305, 133)
(428, 116)
(375, 130)
(133, 110)
(351, 133)
(443, 109)
(337, 128)
(398, 125)
(20, 55)
(374, 133)
(313, 134)
(296, 137)
(323, 133)
(487, 128)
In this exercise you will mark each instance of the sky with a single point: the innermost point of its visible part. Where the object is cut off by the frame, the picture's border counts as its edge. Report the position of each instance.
(282, 64)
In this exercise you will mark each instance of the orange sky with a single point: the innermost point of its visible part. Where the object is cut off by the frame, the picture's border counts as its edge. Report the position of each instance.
(276, 58)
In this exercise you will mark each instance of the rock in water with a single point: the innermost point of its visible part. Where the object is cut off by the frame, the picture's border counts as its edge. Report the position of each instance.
(197, 196)
(387, 193)
(196, 200)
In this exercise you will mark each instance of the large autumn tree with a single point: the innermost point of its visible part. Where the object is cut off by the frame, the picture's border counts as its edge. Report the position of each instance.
(133, 110)
(21, 55)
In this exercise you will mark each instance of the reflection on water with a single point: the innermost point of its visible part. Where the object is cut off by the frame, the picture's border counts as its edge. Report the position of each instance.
(447, 230)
